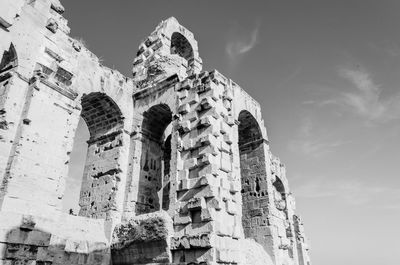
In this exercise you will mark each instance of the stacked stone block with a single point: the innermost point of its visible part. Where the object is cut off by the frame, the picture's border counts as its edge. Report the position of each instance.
(208, 195)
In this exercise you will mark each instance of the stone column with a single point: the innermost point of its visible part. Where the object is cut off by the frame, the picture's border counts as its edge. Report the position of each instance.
(44, 125)
(206, 220)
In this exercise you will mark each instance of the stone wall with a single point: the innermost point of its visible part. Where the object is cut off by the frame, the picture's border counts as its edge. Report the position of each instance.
(173, 138)
(144, 239)
(27, 239)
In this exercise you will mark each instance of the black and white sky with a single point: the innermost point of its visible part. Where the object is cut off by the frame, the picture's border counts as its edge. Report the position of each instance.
(327, 75)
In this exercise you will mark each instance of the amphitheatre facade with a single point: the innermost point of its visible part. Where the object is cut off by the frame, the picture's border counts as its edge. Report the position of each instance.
(178, 167)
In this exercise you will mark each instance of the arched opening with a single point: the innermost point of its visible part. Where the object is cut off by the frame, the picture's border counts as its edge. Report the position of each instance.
(76, 168)
(101, 126)
(153, 191)
(181, 46)
(253, 173)
(9, 60)
(101, 114)
(249, 131)
(279, 195)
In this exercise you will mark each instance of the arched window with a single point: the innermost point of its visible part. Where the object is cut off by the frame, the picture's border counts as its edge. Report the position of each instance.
(181, 46)
(156, 155)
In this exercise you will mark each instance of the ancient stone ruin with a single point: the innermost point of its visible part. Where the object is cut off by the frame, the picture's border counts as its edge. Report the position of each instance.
(178, 168)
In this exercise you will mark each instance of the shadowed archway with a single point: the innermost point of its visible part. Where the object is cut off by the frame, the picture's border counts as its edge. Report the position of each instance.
(153, 190)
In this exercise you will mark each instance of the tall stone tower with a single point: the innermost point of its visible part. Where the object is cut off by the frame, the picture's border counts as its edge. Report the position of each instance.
(178, 167)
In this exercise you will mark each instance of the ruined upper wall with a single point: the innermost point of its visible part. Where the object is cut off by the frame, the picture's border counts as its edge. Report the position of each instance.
(170, 49)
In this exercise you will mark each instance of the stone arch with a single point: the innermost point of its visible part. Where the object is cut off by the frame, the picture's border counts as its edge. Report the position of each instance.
(172, 32)
(170, 50)
(254, 185)
(101, 114)
(241, 102)
(249, 130)
(102, 171)
(182, 47)
(155, 121)
(155, 158)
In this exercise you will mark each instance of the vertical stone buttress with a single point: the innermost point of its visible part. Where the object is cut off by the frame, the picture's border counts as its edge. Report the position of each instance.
(207, 220)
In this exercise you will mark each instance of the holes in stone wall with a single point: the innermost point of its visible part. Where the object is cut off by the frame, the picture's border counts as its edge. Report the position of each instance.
(155, 161)
(63, 76)
(57, 75)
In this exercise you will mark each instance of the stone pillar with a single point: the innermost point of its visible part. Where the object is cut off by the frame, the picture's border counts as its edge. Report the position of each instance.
(13, 93)
(44, 121)
(131, 192)
(207, 211)
(302, 247)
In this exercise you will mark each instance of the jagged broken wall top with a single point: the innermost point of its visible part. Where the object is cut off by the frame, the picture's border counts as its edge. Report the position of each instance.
(170, 49)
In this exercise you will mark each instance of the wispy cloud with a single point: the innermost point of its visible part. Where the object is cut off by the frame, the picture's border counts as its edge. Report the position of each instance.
(351, 191)
(309, 143)
(241, 45)
(363, 97)
(315, 148)
(389, 47)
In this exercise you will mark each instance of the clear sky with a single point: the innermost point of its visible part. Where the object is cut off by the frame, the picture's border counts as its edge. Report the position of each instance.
(327, 75)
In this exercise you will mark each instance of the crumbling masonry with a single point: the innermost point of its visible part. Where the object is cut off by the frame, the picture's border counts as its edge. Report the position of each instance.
(178, 168)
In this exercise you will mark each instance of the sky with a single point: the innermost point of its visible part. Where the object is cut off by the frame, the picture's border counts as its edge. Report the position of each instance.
(327, 75)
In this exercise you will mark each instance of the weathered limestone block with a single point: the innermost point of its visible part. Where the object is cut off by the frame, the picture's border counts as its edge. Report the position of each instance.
(192, 241)
(253, 253)
(144, 239)
(26, 238)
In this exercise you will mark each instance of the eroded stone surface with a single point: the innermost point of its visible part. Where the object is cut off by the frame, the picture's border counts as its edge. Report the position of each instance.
(143, 239)
(178, 167)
